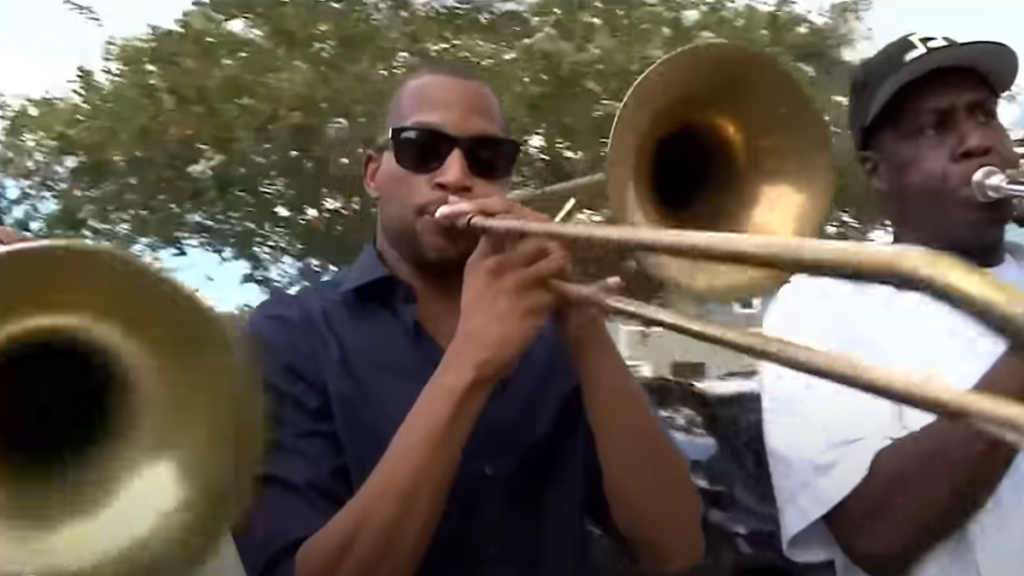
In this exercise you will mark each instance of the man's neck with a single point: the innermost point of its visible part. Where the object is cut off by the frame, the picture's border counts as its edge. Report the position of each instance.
(438, 296)
(986, 258)
(438, 305)
(432, 284)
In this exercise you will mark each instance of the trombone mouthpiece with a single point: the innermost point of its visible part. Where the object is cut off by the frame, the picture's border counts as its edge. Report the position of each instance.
(454, 215)
(990, 183)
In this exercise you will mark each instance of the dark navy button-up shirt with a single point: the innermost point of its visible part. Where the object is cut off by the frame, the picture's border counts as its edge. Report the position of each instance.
(343, 362)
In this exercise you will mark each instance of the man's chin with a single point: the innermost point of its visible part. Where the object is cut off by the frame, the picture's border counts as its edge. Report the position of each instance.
(449, 259)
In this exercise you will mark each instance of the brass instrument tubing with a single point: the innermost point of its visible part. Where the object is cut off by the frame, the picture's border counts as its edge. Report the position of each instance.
(939, 274)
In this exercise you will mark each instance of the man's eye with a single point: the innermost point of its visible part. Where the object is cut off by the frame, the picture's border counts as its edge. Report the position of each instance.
(930, 128)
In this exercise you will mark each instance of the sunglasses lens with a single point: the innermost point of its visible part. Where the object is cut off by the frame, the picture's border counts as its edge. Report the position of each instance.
(421, 151)
(491, 158)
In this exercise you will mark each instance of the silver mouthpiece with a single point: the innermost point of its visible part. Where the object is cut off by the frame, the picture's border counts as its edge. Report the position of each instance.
(990, 183)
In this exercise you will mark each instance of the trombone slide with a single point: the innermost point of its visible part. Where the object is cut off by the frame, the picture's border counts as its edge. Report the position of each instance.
(939, 274)
(719, 137)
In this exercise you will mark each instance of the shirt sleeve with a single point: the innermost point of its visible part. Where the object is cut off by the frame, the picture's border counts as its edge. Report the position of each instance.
(820, 437)
(304, 480)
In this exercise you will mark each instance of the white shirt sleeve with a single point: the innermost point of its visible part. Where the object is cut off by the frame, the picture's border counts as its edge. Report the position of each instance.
(820, 437)
(817, 452)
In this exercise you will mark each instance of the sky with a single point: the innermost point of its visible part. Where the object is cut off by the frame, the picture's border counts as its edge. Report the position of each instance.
(41, 44)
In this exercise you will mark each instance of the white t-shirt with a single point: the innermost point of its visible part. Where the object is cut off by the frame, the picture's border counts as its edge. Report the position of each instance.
(821, 437)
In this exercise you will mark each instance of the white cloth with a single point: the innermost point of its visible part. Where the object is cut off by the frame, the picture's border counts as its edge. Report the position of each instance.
(224, 562)
(821, 437)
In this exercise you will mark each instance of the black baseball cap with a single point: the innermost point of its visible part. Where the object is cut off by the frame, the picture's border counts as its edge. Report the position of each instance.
(877, 79)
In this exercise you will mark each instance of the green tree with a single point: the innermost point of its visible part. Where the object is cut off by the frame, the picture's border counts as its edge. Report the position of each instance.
(242, 129)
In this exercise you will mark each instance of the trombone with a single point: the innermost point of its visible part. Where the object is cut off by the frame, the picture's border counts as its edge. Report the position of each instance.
(130, 426)
(719, 169)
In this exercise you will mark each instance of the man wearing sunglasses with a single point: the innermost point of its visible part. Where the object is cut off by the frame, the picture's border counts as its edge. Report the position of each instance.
(436, 411)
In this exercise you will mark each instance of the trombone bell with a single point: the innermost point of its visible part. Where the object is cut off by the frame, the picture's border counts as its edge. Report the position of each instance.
(129, 430)
(717, 137)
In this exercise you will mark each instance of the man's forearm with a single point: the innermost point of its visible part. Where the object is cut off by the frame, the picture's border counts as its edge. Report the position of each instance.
(647, 480)
(924, 487)
(920, 489)
(385, 529)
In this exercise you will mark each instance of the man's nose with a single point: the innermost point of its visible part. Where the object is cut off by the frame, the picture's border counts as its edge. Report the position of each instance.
(454, 176)
(976, 141)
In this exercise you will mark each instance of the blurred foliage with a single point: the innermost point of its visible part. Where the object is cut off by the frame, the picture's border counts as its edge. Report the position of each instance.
(242, 129)
(83, 10)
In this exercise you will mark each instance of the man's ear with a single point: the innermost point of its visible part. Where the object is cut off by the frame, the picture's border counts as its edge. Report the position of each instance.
(371, 166)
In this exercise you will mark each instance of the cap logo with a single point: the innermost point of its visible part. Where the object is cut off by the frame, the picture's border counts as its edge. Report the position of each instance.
(926, 44)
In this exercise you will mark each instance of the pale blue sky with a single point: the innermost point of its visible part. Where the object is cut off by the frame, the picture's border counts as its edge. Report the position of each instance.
(41, 43)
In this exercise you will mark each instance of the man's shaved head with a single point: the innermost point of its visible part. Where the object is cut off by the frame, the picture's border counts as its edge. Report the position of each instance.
(439, 101)
(396, 107)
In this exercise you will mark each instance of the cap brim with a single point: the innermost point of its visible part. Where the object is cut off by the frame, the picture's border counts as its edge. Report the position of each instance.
(996, 62)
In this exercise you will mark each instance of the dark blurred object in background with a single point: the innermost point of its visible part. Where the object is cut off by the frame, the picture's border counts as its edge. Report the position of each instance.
(718, 425)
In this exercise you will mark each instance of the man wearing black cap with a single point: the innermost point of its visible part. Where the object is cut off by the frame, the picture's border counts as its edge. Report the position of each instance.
(877, 487)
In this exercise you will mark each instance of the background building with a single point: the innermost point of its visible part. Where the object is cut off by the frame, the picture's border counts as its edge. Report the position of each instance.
(658, 352)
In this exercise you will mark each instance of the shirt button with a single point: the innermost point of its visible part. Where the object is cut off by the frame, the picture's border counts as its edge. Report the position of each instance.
(488, 470)
(492, 549)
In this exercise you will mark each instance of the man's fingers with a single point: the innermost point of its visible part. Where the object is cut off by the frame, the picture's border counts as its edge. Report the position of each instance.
(554, 266)
(454, 213)
(490, 246)
(495, 206)
(591, 295)
(612, 285)
(525, 253)
(457, 208)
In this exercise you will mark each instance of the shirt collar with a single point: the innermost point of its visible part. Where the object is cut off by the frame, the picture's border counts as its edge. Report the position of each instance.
(1014, 251)
(367, 269)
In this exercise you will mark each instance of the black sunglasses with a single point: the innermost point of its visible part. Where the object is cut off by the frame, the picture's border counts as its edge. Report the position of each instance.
(424, 150)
